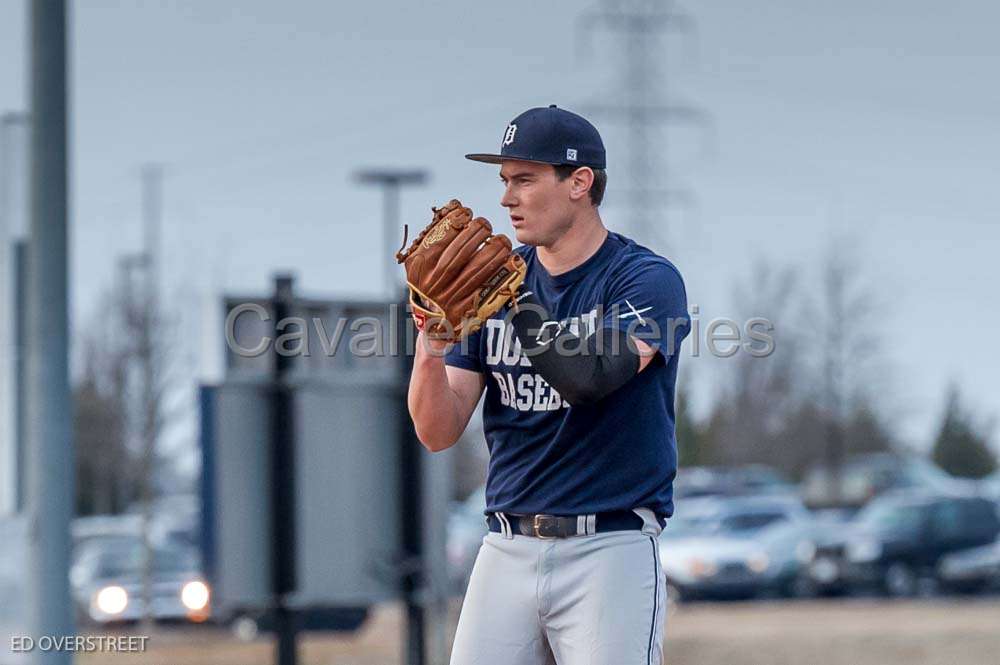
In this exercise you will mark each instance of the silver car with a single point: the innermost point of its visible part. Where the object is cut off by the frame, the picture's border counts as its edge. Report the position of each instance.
(738, 548)
(106, 582)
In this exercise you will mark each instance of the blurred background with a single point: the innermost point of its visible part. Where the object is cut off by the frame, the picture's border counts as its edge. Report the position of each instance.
(825, 167)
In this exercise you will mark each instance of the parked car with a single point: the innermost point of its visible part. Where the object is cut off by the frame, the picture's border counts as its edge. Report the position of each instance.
(704, 481)
(737, 547)
(974, 569)
(759, 479)
(825, 571)
(863, 477)
(106, 582)
(898, 541)
(85, 530)
(700, 481)
(173, 518)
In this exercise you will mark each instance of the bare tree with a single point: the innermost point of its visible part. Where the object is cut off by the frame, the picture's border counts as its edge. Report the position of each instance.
(845, 343)
(122, 394)
(106, 468)
(815, 397)
(149, 376)
(758, 393)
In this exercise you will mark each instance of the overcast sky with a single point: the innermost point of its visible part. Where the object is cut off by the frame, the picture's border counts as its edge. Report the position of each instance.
(830, 119)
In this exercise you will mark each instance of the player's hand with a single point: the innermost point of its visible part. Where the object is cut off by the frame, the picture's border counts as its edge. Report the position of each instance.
(436, 347)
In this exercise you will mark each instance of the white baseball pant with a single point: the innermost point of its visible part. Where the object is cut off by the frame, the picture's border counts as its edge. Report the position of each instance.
(585, 600)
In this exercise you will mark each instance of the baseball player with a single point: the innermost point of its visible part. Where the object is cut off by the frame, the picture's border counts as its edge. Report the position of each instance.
(579, 373)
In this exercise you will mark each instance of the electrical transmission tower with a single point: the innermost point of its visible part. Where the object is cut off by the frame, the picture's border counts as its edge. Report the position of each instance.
(639, 100)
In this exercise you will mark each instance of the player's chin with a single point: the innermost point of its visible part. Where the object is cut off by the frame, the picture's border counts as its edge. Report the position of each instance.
(525, 236)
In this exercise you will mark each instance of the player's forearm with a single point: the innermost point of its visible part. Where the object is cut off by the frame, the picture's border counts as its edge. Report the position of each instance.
(583, 371)
(434, 406)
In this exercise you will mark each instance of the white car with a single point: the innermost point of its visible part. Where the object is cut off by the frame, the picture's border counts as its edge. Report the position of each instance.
(740, 547)
(106, 582)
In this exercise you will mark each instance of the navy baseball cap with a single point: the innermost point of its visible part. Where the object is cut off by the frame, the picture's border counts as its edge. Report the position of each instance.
(549, 135)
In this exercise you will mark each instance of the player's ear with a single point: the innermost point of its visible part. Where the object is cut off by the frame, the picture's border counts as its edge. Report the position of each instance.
(580, 183)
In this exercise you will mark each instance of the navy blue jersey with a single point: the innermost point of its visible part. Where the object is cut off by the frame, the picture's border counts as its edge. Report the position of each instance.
(619, 453)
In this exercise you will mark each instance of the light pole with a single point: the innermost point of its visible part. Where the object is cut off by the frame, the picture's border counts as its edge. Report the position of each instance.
(48, 427)
(391, 180)
(413, 481)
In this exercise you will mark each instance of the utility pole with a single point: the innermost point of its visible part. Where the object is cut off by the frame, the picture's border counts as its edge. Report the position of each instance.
(391, 181)
(643, 105)
(48, 429)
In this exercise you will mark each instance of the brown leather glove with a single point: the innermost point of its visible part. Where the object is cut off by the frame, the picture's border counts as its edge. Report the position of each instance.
(459, 273)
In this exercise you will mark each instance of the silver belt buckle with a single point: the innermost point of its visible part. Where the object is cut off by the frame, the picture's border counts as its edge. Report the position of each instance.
(539, 524)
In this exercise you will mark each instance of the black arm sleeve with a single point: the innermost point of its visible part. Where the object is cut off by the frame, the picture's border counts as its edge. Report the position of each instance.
(584, 371)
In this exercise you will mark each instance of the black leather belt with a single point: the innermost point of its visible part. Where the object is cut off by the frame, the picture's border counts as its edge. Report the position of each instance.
(559, 526)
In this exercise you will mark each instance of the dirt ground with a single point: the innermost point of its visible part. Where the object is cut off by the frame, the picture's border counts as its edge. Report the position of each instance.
(839, 632)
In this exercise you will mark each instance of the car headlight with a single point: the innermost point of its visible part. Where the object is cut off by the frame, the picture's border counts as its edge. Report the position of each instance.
(702, 567)
(111, 600)
(194, 595)
(863, 551)
(759, 562)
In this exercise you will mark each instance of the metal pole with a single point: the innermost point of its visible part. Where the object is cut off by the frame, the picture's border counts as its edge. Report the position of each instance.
(20, 371)
(8, 449)
(391, 181)
(413, 582)
(390, 234)
(13, 229)
(51, 462)
(411, 515)
(283, 573)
